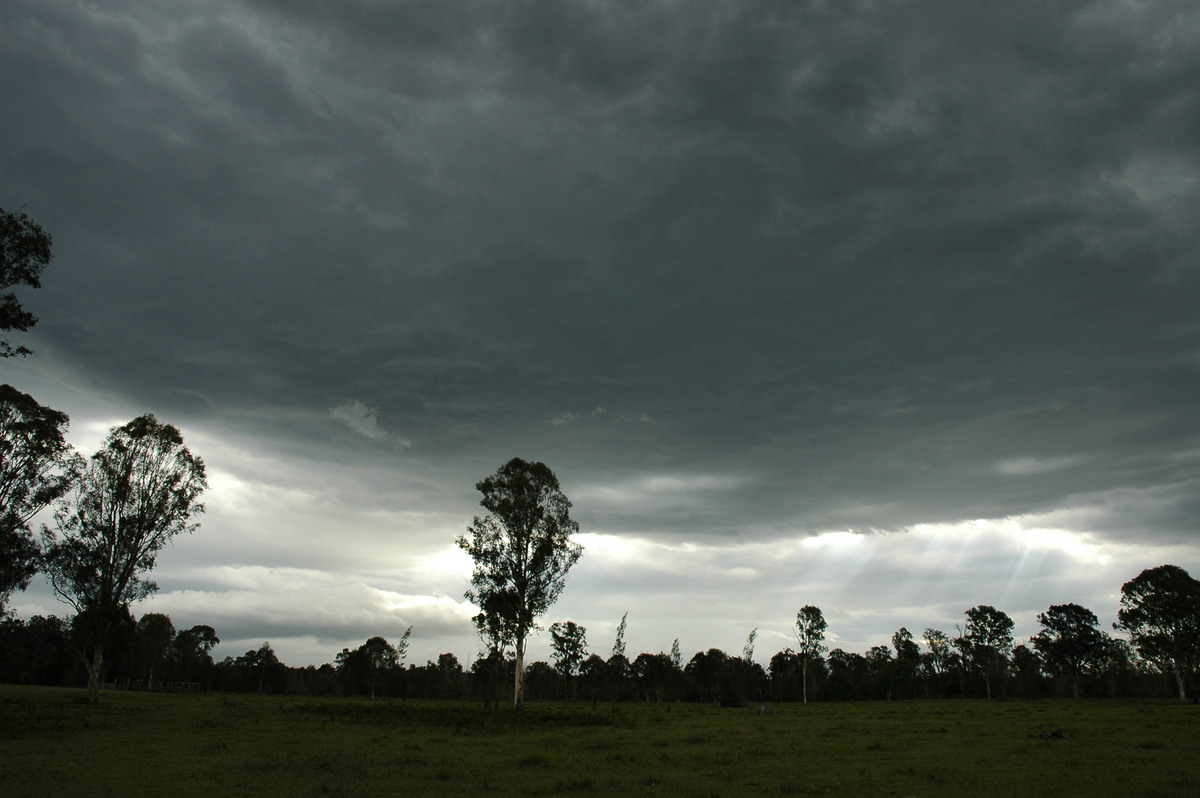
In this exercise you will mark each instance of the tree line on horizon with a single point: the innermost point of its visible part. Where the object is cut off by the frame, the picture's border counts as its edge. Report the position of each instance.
(113, 513)
(1069, 657)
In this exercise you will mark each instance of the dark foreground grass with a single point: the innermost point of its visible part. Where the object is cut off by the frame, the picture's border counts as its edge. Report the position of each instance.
(215, 745)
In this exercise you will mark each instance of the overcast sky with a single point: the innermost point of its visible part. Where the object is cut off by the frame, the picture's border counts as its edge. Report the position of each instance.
(890, 308)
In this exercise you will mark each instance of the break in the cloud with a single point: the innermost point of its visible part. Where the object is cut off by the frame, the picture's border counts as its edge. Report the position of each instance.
(896, 272)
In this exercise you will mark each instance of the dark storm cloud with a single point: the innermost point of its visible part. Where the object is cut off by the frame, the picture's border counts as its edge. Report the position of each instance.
(873, 264)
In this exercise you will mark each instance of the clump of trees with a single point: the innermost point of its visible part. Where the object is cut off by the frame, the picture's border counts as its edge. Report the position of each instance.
(112, 514)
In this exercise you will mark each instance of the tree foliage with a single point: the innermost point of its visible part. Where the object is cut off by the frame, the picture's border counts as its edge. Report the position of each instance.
(1160, 608)
(1069, 641)
(522, 552)
(37, 466)
(748, 649)
(137, 493)
(986, 642)
(618, 648)
(152, 639)
(367, 667)
(24, 253)
(191, 653)
(568, 641)
(810, 639)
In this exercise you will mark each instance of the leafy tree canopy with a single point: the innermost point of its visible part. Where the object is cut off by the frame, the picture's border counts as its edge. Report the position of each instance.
(522, 552)
(37, 466)
(137, 493)
(1160, 608)
(24, 253)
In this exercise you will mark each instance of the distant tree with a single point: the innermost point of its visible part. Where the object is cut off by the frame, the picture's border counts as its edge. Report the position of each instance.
(24, 253)
(1027, 670)
(152, 638)
(941, 650)
(367, 667)
(941, 660)
(137, 493)
(618, 670)
(748, 649)
(676, 656)
(654, 674)
(37, 466)
(593, 672)
(987, 640)
(881, 670)
(490, 670)
(261, 667)
(619, 643)
(201, 638)
(785, 673)
(1116, 666)
(541, 680)
(191, 653)
(380, 658)
(450, 672)
(37, 651)
(849, 673)
(1160, 608)
(908, 661)
(1070, 640)
(810, 639)
(402, 645)
(522, 552)
(706, 671)
(568, 641)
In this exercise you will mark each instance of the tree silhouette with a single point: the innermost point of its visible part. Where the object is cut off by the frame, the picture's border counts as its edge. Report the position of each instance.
(908, 660)
(522, 552)
(987, 640)
(137, 493)
(37, 466)
(810, 637)
(1160, 608)
(191, 653)
(748, 649)
(568, 640)
(1070, 639)
(24, 253)
(618, 648)
(152, 638)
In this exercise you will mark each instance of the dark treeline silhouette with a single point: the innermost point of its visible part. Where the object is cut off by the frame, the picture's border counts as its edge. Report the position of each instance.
(1070, 657)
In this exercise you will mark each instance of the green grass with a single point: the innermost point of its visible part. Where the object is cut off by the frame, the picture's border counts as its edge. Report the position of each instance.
(214, 745)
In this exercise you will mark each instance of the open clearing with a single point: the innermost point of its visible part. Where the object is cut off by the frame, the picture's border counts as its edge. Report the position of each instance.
(221, 744)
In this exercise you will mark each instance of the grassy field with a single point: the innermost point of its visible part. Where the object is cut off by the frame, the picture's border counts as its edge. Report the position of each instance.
(235, 745)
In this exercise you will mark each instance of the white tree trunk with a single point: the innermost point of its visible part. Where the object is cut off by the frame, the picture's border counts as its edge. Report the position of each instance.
(804, 679)
(519, 677)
